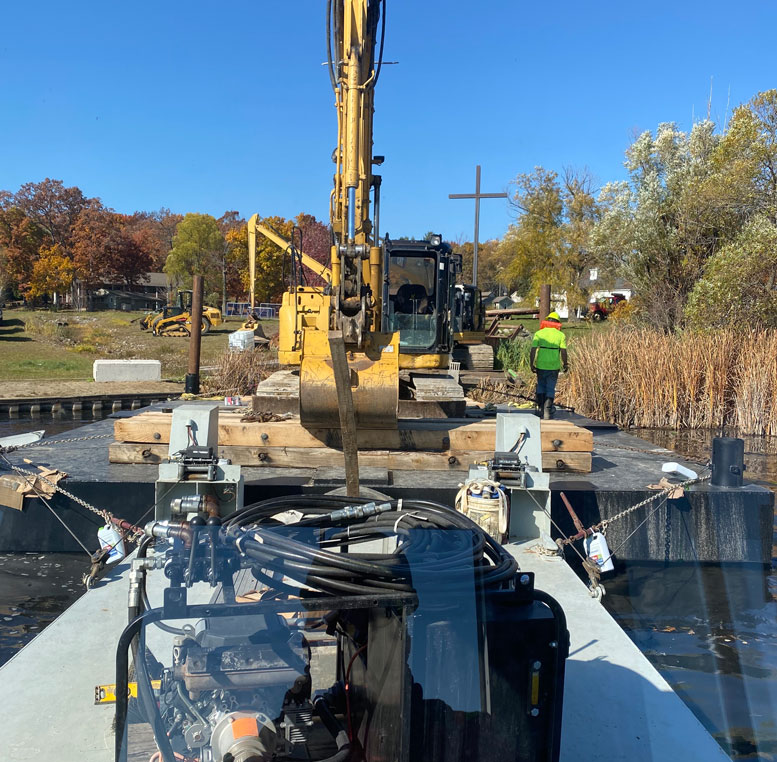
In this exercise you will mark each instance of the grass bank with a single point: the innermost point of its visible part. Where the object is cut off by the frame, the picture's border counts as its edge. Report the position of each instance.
(37, 345)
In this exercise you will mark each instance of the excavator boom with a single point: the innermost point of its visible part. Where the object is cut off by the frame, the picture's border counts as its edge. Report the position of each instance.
(254, 227)
(357, 263)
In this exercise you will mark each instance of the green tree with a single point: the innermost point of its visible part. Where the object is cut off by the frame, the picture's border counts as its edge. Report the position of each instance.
(197, 249)
(659, 228)
(740, 283)
(550, 242)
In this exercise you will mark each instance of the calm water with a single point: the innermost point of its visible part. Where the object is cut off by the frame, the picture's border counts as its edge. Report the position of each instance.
(710, 631)
(36, 588)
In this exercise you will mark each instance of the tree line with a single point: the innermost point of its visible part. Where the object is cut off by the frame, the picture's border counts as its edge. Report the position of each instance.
(55, 241)
(693, 228)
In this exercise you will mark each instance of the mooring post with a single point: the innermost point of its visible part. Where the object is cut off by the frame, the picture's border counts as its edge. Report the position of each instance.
(728, 461)
(192, 385)
(342, 375)
(544, 301)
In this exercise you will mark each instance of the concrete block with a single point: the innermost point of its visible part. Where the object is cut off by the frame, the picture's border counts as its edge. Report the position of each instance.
(127, 370)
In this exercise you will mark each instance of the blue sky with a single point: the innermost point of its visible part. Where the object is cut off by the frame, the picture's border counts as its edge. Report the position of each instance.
(204, 107)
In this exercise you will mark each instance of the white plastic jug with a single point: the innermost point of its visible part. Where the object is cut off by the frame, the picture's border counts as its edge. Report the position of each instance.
(597, 550)
(110, 537)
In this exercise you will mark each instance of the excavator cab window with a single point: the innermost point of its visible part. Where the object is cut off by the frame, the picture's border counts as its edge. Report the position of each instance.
(418, 294)
(412, 305)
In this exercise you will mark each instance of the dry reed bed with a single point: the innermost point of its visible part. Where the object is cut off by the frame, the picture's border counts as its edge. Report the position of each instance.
(238, 373)
(639, 377)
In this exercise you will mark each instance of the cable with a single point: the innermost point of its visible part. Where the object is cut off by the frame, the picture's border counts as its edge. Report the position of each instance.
(382, 39)
(330, 64)
(306, 554)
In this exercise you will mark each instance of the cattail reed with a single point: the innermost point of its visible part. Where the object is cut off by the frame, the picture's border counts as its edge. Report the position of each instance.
(644, 378)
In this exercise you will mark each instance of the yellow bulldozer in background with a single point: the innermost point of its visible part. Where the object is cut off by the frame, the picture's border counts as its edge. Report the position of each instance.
(176, 319)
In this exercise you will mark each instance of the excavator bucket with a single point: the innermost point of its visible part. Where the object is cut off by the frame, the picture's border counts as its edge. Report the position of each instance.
(374, 382)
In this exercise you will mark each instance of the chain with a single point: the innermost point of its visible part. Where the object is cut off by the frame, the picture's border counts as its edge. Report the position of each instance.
(134, 533)
(602, 525)
(106, 516)
(49, 442)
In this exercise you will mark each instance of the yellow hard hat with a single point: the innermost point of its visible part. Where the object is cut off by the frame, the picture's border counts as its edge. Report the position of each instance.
(553, 316)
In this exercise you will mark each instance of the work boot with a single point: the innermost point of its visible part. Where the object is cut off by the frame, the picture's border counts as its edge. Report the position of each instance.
(540, 402)
(547, 409)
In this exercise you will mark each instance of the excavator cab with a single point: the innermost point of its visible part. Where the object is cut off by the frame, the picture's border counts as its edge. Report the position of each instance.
(418, 296)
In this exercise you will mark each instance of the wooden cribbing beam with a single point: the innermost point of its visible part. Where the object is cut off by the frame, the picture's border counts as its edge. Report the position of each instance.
(437, 435)
(325, 457)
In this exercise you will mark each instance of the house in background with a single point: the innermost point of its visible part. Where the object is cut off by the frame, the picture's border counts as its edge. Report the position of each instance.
(151, 294)
(154, 284)
(498, 302)
(127, 301)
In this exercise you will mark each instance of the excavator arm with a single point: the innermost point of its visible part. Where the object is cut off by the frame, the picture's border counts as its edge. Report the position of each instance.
(356, 261)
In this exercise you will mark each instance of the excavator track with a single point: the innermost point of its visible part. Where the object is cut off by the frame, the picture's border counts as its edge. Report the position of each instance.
(177, 329)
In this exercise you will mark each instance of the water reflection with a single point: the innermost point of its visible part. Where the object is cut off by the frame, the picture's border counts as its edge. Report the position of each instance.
(711, 630)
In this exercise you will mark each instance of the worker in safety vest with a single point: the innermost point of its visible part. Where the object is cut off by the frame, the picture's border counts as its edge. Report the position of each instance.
(548, 356)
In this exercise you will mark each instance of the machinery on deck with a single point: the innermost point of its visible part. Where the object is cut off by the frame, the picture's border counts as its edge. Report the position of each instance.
(176, 319)
(470, 347)
(426, 644)
(393, 300)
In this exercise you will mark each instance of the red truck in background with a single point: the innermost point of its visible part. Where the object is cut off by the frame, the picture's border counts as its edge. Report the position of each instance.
(599, 309)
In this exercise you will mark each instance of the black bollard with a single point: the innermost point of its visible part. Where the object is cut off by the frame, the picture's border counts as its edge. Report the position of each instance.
(728, 461)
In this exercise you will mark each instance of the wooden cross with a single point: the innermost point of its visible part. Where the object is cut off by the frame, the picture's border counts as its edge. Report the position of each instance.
(477, 195)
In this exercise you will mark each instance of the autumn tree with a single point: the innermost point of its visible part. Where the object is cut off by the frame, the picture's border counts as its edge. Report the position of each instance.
(53, 207)
(229, 223)
(197, 249)
(154, 233)
(52, 273)
(491, 264)
(20, 239)
(37, 217)
(105, 251)
(272, 263)
(316, 242)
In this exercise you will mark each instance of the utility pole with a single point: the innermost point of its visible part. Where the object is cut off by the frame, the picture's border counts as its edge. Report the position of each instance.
(477, 195)
(544, 301)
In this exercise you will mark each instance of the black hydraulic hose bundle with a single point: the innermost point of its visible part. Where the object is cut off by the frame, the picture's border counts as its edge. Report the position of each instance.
(300, 550)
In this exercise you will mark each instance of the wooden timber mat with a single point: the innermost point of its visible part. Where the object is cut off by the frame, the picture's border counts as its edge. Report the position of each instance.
(436, 444)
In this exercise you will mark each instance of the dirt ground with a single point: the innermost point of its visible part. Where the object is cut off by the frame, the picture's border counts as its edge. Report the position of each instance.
(11, 390)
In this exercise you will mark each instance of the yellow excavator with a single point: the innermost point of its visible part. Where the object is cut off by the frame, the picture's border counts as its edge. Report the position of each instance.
(176, 319)
(393, 300)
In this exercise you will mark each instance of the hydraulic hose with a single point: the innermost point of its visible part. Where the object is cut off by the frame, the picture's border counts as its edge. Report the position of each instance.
(335, 729)
(307, 551)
